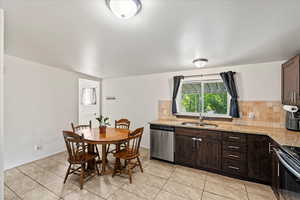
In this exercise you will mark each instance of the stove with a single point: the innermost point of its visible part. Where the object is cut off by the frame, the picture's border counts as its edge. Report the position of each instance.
(294, 152)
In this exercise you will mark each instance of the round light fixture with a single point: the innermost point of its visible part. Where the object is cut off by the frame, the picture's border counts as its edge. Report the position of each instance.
(200, 62)
(124, 9)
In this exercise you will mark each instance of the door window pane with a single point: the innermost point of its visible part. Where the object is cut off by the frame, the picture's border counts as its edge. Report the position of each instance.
(88, 96)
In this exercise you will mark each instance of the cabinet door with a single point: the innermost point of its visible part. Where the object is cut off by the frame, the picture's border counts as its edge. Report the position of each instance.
(208, 154)
(184, 150)
(290, 82)
(259, 158)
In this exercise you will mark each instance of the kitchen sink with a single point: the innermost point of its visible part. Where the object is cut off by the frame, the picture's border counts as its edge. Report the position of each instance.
(202, 124)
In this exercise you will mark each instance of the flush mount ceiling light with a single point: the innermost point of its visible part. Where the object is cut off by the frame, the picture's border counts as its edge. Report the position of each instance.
(200, 62)
(124, 9)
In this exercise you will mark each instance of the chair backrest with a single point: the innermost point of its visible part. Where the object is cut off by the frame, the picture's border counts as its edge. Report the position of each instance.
(81, 127)
(134, 140)
(75, 146)
(122, 123)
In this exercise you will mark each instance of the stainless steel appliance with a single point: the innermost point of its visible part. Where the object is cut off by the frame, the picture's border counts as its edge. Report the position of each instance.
(162, 142)
(292, 121)
(289, 172)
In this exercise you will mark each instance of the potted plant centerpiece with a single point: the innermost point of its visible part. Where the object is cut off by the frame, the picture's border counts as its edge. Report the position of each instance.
(103, 123)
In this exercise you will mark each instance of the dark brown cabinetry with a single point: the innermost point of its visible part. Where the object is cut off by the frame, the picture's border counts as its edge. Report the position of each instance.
(275, 170)
(259, 158)
(234, 153)
(290, 88)
(198, 148)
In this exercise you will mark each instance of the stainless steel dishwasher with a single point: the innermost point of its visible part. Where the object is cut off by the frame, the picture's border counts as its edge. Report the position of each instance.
(162, 142)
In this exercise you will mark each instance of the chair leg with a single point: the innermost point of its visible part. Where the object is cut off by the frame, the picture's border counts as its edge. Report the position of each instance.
(97, 169)
(67, 174)
(82, 176)
(130, 173)
(140, 164)
(114, 170)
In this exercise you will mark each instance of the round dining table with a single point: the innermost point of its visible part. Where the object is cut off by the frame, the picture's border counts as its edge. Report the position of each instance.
(93, 137)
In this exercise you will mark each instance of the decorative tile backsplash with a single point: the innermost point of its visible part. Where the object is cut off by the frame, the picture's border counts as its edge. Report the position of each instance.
(253, 113)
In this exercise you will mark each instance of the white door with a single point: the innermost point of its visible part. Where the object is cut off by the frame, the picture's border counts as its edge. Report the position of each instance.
(89, 101)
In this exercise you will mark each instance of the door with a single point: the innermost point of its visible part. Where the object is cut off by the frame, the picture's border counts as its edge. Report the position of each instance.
(185, 148)
(290, 82)
(275, 174)
(208, 154)
(259, 158)
(89, 101)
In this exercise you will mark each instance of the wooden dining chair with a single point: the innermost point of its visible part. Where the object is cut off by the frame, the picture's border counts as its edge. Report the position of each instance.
(78, 155)
(129, 154)
(121, 123)
(78, 128)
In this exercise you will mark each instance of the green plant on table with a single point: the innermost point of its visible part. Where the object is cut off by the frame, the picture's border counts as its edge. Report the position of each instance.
(103, 121)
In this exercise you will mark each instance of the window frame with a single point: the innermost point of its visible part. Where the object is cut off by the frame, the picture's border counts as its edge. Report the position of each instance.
(194, 114)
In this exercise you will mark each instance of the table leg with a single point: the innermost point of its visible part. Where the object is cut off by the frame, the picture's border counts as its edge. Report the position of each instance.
(118, 162)
(103, 159)
(92, 163)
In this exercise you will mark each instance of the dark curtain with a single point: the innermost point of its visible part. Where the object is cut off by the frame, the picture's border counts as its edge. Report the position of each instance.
(228, 79)
(177, 80)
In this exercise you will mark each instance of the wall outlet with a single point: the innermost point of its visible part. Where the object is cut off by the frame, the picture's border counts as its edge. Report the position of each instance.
(251, 115)
(37, 147)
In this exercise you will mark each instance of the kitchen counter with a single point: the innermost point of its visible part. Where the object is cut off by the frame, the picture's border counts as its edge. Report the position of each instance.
(280, 135)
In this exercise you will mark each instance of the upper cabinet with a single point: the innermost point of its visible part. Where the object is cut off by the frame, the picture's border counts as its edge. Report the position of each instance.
(290, 82)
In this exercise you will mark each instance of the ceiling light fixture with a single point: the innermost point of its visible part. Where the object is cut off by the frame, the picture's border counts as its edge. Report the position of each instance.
(124, 9)
(200, 62)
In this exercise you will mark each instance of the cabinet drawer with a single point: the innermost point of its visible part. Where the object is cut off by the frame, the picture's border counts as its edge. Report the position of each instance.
(209, 134)
(234, 137)
(234, 167)
(234, 146)
(234, 155)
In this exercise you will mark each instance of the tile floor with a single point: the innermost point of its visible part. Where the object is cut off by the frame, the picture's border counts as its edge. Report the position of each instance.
(43, 180)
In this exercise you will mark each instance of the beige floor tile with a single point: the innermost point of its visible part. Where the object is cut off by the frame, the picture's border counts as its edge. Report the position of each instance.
(22, 185)
(230, 182)
(183, 190)
(31, 169)
(82, 195)
(12, 175)
(189, 178)
(39, 193)
(144, 190)
(259, 189)
(61, 189)
(123, 195)
(210, 196)
(100, 187)
(225, 190)
(159, 169)
(9, 194)
(163, 195)
(269, 196)
(59, 170)
(148, 179)
(46, 178)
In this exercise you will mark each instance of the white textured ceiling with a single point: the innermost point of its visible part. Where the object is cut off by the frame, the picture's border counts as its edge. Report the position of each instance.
(84, 36)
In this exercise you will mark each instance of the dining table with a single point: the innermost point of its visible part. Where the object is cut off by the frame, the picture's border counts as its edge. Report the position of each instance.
(93, 137)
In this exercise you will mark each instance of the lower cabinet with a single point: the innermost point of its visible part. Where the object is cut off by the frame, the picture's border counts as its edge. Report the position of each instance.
(242, 155)
(259, 158)
(198, 149)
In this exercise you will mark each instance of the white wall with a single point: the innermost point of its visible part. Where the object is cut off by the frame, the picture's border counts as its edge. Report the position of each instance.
(1, 102)
(137, 96)
(40, 102)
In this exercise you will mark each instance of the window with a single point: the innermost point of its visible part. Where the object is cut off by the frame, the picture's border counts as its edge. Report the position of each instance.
(208, 97)
(88, 96)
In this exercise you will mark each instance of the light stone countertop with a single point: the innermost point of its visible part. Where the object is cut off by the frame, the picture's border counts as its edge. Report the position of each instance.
(280, 135)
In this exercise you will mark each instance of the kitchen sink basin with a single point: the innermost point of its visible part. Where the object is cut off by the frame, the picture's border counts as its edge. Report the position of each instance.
(202, 124)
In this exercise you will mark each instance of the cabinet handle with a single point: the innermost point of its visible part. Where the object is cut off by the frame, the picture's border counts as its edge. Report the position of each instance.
(194, 138)
(233, 156)
(233, 137)
(233, 147)
(232, 167)
(199, 139)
